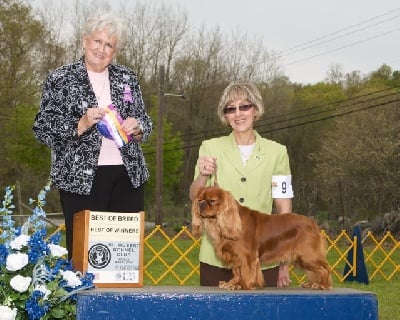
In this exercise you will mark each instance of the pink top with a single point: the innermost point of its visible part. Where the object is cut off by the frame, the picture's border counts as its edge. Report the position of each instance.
(109, 152)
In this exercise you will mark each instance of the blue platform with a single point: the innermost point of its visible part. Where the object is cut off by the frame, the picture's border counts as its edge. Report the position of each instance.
(155, 302)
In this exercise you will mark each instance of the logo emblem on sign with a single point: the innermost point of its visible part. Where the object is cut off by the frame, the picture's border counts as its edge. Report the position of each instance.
(99, 256)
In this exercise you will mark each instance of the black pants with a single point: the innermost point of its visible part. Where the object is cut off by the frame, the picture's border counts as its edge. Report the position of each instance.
(211, 275)
(112, 191)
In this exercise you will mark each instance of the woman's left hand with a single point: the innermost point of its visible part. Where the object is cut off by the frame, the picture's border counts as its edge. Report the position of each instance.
(131, 127)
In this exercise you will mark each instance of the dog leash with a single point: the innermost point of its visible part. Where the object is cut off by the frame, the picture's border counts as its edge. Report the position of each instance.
(215, 178)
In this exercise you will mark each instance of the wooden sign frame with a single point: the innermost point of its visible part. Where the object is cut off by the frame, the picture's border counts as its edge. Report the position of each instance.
(111, 246)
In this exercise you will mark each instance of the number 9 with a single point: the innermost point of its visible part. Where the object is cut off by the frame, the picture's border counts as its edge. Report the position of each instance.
(284, 187)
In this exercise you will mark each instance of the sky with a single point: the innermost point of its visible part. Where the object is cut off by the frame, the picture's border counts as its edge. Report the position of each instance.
(309, 36)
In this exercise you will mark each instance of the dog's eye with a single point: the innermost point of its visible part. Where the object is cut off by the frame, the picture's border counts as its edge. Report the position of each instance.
(211, 201)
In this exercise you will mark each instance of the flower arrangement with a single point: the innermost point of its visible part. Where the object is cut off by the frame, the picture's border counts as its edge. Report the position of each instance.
(37, 281)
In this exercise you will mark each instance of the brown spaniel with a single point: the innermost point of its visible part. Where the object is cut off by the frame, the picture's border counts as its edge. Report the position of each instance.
(245, 238)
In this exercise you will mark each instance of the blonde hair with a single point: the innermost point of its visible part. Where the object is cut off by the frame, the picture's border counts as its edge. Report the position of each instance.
(105, 20)
(244, 90)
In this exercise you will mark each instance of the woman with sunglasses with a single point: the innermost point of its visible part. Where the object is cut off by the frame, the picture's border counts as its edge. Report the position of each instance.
(254, 169)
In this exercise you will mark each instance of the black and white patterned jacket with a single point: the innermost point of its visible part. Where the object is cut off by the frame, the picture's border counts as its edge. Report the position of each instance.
(67, 95)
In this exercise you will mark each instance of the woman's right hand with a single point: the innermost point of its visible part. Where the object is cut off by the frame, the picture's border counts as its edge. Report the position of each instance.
(90, 118)
(207, 166)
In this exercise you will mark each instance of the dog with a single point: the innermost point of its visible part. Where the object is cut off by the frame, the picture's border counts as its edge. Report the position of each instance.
(244, 239)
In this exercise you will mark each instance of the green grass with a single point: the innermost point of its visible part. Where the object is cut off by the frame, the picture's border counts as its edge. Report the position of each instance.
(170, 256)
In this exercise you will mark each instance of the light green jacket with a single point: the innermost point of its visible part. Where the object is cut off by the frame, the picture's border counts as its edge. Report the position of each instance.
(250, 184)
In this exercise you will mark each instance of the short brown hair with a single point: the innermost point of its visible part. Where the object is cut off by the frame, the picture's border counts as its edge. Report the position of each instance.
(242, 89)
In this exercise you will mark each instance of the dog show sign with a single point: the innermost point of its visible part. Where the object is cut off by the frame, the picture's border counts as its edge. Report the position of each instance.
(110, 246)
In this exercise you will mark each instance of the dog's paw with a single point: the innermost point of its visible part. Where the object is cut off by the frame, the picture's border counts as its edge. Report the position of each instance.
(313, 286)
(227, 285)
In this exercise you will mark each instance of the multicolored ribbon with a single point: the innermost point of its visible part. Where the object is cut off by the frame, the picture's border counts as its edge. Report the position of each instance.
(110, 127)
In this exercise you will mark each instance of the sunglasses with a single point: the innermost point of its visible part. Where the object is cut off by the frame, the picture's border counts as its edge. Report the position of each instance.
(232, 109)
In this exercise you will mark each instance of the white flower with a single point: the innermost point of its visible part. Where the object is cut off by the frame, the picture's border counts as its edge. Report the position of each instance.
(71, 278)
(16, 261)
(6, 313)
(20, 283)
(57, 251)
(19, 242)
(43, 288)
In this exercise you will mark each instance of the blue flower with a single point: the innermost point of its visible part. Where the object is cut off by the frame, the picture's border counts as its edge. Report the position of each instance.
(3, 254)
(35, 306)
(55, 238)
(38, 246)
(87, 280)
(44, 263)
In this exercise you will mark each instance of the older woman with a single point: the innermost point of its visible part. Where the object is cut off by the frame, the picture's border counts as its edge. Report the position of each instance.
(254, 169)
(90, 170)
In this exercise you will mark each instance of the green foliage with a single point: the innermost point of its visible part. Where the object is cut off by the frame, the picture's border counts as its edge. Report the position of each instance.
(361, 161)
(21, 147)
(172, 162)
(318, 94)
(312, 107)
(22, 37)
(26, 48)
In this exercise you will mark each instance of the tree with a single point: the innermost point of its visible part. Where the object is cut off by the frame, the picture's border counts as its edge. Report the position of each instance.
(30, 159)
(20, 43)
(335, 74)
(308, 121)
(362, 155)
(384, 73)
(172, 164)
(23, 45)
(153, 38)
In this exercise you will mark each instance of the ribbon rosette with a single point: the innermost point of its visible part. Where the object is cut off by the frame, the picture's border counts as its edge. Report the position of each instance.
(128, 94)
(110, 127)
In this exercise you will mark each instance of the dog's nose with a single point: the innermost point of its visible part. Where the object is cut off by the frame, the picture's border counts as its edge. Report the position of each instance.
(202, 204)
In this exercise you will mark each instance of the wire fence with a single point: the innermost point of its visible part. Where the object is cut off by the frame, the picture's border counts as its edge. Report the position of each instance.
(173, 260)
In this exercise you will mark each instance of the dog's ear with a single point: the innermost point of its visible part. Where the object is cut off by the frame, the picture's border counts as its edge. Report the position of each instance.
(196, 220)
(229, 218)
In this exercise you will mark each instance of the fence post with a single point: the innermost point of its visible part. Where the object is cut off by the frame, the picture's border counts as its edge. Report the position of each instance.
(354, 265)
(356, 259)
